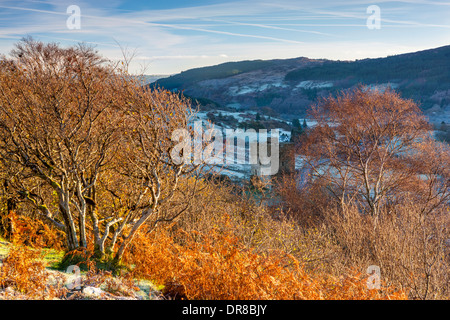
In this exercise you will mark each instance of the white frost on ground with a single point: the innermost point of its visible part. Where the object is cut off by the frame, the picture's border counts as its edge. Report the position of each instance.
(310, 84)
(257, 87)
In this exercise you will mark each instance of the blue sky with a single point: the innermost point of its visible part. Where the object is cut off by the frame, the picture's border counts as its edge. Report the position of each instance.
(169, 36)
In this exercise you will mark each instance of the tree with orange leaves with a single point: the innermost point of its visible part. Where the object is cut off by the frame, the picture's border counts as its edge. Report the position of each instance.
(86, 145)
(374, 148)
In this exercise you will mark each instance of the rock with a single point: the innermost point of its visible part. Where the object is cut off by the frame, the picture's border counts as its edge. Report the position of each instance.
(93, 292)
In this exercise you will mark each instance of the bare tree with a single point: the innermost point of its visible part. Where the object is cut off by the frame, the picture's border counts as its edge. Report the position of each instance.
(366, 146)
(56, 106)
(89, 144)
(148, 164)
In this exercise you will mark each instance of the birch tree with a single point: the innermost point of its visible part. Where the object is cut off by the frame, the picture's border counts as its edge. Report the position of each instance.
(367, 145)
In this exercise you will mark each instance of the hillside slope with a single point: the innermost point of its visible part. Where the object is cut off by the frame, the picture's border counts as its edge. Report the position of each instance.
(289, 86)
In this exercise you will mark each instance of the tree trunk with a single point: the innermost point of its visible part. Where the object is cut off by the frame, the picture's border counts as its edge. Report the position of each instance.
(5, 222)
(99, 251)
(81, 207)
(82, 226)
(145, 215)
(71, 232)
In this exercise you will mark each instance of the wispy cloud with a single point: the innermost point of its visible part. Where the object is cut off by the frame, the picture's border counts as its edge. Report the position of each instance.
(137, 22)
(268, 26)
(179, 37)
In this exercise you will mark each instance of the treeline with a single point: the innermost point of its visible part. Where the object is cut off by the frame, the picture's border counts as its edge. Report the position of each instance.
(419, 74)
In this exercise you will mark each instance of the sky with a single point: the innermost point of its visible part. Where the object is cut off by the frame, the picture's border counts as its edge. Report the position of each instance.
(169, 36)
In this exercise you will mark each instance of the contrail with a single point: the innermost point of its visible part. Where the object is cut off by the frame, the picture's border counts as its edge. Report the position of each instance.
(267, 26)
(164, 25)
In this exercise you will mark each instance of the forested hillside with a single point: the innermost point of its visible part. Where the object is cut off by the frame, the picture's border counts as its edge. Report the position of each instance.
(290, 86)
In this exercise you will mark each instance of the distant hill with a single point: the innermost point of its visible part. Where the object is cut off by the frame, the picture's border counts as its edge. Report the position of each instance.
(290, 86)
(224, 70)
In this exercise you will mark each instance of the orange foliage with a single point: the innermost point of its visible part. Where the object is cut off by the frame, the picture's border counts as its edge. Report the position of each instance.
(218, 266)
(35, 233)
(26, 275)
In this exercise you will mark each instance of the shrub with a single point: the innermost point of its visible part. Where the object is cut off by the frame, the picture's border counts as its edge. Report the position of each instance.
(218, 266)
(411, 248)
(80, 257)
(25, 275)
(33, 232)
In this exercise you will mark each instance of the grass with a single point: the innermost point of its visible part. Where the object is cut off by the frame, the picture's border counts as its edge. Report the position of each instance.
(52, 258)
(4, 248)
